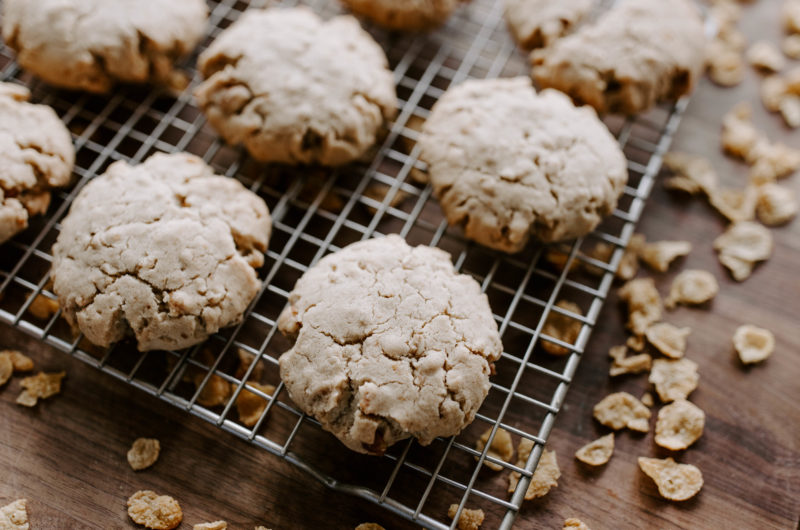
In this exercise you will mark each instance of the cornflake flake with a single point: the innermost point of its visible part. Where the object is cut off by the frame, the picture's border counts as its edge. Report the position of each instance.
(791, 16)
(502, 448)
(246, 359)
(674, 379)
(545, 476)
(633, 364)
(143, 453)
(6, 368)
(629, 263)
(251, 406)
(469, 520)
(777, 205)
(660, 254)
(735, 205)
(668, 339)
(40, 386)
(644, 303)
(647, 399)
(790, 110)
(694, 168)
(770, 161)
(791, 46)
(21, 362)
(362, 526)
(679, 425)
(692, 287)
(620, 410)
(739, 135)
(635, 343)
(14, 516)
(574, 524)
(215, 392)
(773, 90)
(725, 64)
(216, 525)
(154, 511)
(764, 56)
(741, 246)
(753, 344)
(675, 482)
(562, 327)
(598, 452)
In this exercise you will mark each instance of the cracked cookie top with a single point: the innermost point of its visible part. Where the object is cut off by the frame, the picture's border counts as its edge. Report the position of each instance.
(91, 44)
(506, 163)
(36, 153)
(408, 15)
(296, 89)
(635, 55)
(164, 251)
(390, 342)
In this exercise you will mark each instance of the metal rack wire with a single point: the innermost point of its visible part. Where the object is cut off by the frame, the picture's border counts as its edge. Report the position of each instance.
(315, 212)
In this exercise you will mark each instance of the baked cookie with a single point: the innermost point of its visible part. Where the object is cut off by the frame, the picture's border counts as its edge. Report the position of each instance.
(506, 163)
(637, 54)
(296, 89)
(164, 251)
(390, 342)
(539, 23)
(91, 44)
(406, 15)
(36, 153)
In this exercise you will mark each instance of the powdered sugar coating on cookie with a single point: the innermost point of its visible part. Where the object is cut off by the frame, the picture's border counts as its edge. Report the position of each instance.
(164, 251)
(506, 163)
(92, 44)
(637, 54)
(408, 15)
(296, 89)
(391, 342)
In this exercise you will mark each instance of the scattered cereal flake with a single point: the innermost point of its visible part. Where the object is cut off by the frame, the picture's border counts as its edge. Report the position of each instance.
(363, 526)
(647, 399)
(692, 287)
(251, 406)
(753, 344)
(151, 510)
(765, 56)
(679, 425)
(502, 448)
(634, 364)
(660, 254)
(469, 520)
(558, 259)
(600, 252)
(791, 46)
(629, 264)
(14, 516)
(644, 303)
(791, 16)
(668, 339)
(681, 183)
(674, 379)
(575, 524)
(6, 368)
(143, 453)
(21, 362)
(40, 386)
(562, 327)
(735, 204)
(793, 81)
(215, 392)
(43, 307)
(620, 410)
(265, 528)
(790, 110)
(216, 525)
(635, 343)
(246, 359)
(676, 482)
(695, 168)
(544, 477)
(777, 205)
(739, 135)
(771, 161)
(377, 191)
(617, 352)
(598, 452)
(725, 64)
(741, 246)
(26, 399)
(773, 90)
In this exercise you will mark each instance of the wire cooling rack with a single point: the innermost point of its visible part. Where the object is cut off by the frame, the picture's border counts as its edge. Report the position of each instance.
(318, 211)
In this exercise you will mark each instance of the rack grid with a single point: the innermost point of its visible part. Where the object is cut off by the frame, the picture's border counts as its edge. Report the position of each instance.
(317, 211)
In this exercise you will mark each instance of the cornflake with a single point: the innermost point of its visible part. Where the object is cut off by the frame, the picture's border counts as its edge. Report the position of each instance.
(739, 135)
(773, 90)
(668, 339)
(502, 448)
(21, 362)
(598, 452)
(151, 510)
(562, 327)
(790, 110)
(43, 307)
(620, 410)
(215, 392)
(765, 56)
(692, 287)
(635, 343)
(735, 204)
(143, 453)
(40, 386)
(694, 168)
(362, 526)
(777, 205)
(647, 399)
(469, 520)
(741, 246)
(246, 359)
(14, 516)
(377, 191)
(772, 161)
(679, 425)
(676, 482)
(791, 46)
(574, 524)
(659, 255)
(753, 344)
(600, 252)
(216, 525)
(629, 264)
(644, 303)
(634, 364)
(6, 368)
(674, 379)
(250, 406)
(545, 476)
(791, 16)
(725, 64)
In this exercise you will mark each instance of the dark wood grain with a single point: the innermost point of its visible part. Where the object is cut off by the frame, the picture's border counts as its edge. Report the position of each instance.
(67, 456)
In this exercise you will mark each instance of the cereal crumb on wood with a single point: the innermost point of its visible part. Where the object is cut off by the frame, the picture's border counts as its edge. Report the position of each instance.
(154, 511)
(14, 516)
(469, 519)
(143, 453)
(675, 482)
(598, 452)
(502, 448)
(753, 344)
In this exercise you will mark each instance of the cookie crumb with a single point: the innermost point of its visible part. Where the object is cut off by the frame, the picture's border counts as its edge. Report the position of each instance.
(659, 255)
(598, 452)
(674, 379)
(692, 287)
(668, 339)
(766, 57)
(40, 386)
(575, 524)
(675, 482)
(679, 425)
(216, 525)
(562, 327)
(43, 307)
(742, 246)
(502, 448)
(753, 344)
(157, 512)
(469, 520)
(777, 205)
(14, 516)
(620, 410)
(251, 406)
(644, 304)
(143, 453)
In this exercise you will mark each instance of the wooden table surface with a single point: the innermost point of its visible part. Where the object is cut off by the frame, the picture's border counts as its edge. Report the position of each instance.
(67, 456)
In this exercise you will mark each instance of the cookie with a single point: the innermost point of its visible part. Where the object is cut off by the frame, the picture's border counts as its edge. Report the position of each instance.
(92, 44)
(405, 15)
(635, 55)
(296, 89)
(163, 251)
(507, 163)
(390, 342)
(539, 23)
(37, 155)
